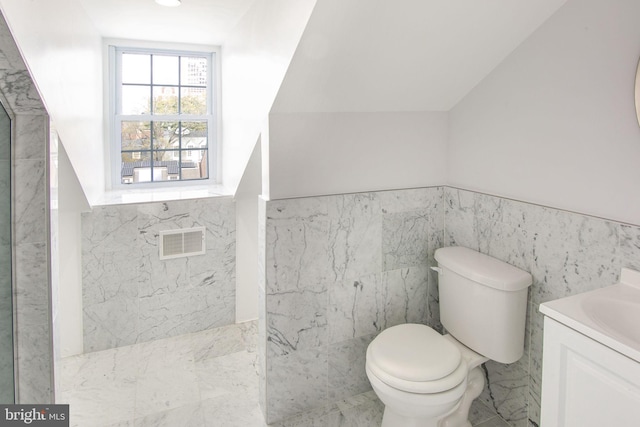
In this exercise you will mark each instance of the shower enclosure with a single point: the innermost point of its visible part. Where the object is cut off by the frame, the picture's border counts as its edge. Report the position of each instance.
(6, 294)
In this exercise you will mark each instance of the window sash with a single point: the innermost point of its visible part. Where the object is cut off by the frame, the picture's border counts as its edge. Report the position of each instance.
(184, 152)
(210, 117)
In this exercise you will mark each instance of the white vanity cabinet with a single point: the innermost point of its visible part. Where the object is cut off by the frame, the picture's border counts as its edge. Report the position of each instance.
(585, 383)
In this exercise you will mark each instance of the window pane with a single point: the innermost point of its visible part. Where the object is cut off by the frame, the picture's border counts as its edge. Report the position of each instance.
(165, 70)
(203, 163)
(194, 134)
(136, 135)
(163, 173)
(191, 167)
(136, 68)
(193, 71)
(143, 174)
(137, 157)
(136, 99)
(193, 155)
(166, 135)
(193, 101)
(194, 150)
(165, 100)
(169, 156)
(132, 165)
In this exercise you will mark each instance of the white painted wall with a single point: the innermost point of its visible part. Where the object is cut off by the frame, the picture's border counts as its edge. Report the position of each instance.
(331, 153)
(70, 261)
(555, 123)
(247, 239)
(255, 58)
(363, 104)
(64, 55)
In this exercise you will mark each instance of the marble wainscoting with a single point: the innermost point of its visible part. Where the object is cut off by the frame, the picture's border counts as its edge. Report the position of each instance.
(338, 270)
(130, 296)
(567, 253)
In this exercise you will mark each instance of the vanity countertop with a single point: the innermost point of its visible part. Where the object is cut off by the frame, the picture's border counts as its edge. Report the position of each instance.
(610, 315)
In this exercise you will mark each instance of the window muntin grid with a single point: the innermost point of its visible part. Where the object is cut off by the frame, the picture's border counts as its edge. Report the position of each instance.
(164, 104)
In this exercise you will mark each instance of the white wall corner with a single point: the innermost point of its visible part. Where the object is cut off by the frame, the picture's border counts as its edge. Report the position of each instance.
(247, 239)
(255, 58)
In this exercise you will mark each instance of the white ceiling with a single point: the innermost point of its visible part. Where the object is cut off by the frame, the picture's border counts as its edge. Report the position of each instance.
(403, 55)
(355, 55)
(205, 22)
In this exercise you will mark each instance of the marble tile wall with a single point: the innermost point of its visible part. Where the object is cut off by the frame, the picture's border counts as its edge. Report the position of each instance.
(338, 270)
(567, 253)
(32, 275)
(130, 296)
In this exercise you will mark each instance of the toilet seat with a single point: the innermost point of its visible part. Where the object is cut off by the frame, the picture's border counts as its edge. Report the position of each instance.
(416, 359)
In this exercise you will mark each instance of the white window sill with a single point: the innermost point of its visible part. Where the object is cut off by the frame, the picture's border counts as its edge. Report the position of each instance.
(146, 195)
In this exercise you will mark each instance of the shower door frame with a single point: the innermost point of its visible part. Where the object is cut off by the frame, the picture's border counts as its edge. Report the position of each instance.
(14, 330)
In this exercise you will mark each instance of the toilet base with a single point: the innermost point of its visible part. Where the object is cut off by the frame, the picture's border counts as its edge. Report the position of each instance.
(457, 417)
(403, 409)
(393, 419)
(460, 417)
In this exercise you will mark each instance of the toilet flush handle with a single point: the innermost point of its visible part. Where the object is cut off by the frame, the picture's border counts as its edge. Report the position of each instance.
(437, 269)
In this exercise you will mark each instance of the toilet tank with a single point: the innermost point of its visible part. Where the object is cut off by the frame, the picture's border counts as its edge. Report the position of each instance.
(483, 302)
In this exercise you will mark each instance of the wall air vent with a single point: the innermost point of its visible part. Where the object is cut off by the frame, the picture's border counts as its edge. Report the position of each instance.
(181, 243)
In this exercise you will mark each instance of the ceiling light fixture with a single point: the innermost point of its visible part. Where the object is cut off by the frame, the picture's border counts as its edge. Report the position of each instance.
(169, 3)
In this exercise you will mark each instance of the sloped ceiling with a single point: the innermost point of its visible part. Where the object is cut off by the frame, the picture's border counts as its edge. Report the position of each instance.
(355, 55)
(403, 55)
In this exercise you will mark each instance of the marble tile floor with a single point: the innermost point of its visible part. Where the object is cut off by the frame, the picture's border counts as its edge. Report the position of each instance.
(204, 379)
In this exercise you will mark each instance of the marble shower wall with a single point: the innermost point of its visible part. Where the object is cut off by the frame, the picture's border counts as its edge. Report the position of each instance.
(32, 275)
(567, 253)
(130, 296)
(338, 270)
(30, 217)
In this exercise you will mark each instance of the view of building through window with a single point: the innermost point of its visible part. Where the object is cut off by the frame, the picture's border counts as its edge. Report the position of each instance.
(164, 116)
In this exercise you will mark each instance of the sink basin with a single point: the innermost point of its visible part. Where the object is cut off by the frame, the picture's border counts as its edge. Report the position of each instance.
(610, 315)
(618, 316)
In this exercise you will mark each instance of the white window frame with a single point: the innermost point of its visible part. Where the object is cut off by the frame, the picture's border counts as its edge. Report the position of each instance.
(113, 49)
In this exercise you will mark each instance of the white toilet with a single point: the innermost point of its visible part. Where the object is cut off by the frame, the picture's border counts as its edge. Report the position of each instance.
(426, 379)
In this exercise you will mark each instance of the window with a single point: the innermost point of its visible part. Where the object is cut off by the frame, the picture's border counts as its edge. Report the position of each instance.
(163, 104)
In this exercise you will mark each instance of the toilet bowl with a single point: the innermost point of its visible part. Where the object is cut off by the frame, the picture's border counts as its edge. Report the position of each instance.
(422, 377)
(426, 379)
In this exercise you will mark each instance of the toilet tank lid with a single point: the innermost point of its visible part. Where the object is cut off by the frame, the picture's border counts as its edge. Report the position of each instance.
(483, 268)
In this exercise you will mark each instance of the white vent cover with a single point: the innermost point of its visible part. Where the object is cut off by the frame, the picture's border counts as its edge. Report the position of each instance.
(182, 242)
